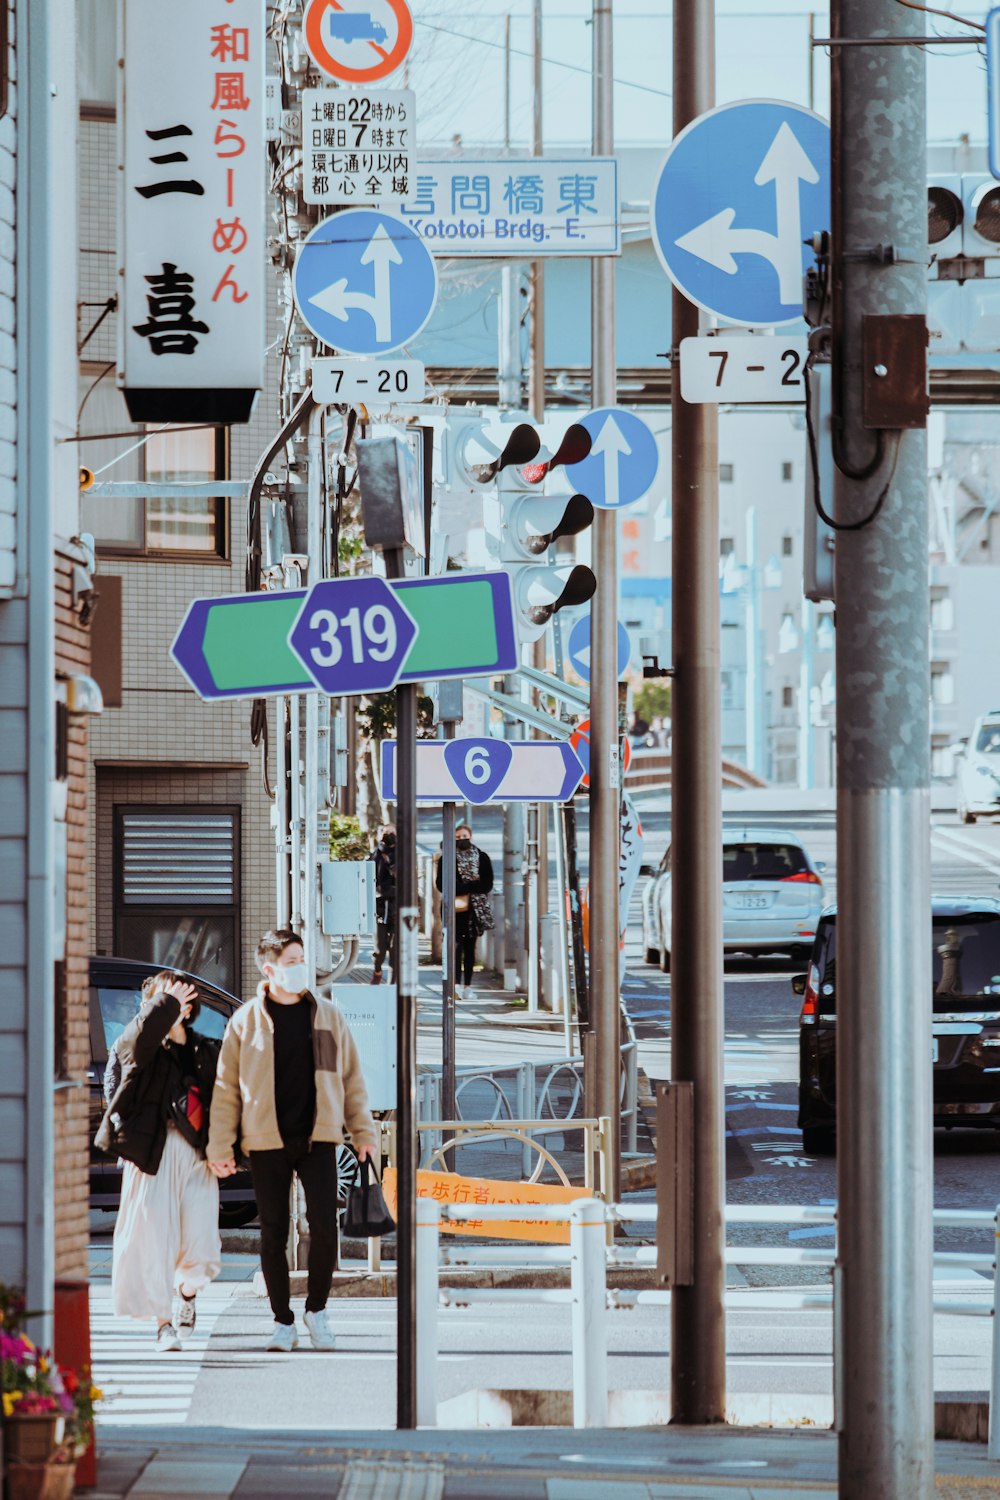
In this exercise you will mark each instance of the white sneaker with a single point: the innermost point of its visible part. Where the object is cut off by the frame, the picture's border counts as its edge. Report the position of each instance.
(458, 993)
(284, 1338)
(318, 1326)
(469, 994)
(167, 1341)
(185, 1316)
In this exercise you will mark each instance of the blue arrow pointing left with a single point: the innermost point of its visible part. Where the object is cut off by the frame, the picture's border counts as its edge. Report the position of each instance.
(364, 282)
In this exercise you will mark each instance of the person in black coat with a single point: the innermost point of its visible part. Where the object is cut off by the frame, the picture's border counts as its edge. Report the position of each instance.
(385, 898)
(166, 1242)
(473, 911)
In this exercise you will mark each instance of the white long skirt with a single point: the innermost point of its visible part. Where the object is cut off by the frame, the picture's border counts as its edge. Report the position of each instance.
(167, 1233)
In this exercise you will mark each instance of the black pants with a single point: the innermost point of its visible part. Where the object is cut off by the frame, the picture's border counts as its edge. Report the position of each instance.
(272, 1172)
(466, 938)
(385, 931)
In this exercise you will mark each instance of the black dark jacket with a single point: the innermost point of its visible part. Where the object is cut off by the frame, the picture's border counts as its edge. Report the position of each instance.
(385, 882)
(135, 1123)
(480, 887)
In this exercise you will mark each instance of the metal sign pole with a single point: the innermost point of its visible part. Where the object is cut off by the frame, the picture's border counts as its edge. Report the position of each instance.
(698, 1347)
(407, 982)
(605, 777)
(450, 709)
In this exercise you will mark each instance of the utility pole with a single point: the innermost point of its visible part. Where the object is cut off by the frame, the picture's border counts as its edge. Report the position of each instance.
(698, 1343)
(605, 772)
(536, 405)
(406, 959)
(884, 1086)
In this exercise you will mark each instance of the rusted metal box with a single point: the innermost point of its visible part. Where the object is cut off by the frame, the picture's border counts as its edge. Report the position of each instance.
(675, 1184)
(894, 371)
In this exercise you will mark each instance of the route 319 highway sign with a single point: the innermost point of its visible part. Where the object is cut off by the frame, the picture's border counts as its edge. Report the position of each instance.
(743, 370)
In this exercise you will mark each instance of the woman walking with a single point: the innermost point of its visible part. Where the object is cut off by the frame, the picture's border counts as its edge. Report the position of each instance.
(473, 912)
(166, 1242)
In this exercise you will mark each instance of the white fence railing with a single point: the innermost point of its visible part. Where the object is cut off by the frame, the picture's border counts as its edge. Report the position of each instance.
(589, 1254)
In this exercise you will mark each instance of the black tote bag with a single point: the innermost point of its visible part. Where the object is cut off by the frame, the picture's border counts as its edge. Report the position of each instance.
(366, 1215)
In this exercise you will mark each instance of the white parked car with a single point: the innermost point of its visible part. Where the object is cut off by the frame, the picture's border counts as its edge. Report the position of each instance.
(772, 895)
(979, 770)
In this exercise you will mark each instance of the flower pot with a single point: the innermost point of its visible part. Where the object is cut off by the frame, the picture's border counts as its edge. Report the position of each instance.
(51, 1481)
(60, 1481)
(32, 1439)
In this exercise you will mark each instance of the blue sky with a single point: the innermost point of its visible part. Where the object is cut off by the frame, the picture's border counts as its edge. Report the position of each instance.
(457, 68)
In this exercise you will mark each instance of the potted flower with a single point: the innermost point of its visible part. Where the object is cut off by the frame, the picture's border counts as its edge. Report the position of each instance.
(48, 1412)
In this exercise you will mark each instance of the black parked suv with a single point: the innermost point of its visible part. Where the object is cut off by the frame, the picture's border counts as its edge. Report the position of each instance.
(115, 988)
(965, 1030)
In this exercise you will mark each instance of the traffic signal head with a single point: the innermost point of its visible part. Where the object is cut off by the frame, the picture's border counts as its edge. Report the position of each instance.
(963, 221)
(541, 590)
(484, 451)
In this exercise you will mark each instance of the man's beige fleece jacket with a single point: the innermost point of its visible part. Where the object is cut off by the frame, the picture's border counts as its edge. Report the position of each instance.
(243, 1108)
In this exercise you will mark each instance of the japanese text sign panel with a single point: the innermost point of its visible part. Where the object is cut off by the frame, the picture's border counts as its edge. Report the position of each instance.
(743, 370)
(357, 145)
(449, 1187)
(516, 206)
(191, 120)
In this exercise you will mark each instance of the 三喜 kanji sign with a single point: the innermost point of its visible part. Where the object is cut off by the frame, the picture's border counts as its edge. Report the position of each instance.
(191, 314)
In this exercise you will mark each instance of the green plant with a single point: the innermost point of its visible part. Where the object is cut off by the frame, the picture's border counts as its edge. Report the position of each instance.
(652, 701)
(377, 717)
(346, 838)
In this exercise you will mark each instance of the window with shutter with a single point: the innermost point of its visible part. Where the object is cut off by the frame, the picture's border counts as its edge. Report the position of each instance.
(177, 889)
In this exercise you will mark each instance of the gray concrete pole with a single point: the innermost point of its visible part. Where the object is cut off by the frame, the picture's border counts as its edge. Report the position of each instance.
(698, 1346)
(605, 777)
(885, 1150)
(536, 405)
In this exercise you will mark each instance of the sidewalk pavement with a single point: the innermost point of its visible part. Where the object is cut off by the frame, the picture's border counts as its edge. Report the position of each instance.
(540, 1464)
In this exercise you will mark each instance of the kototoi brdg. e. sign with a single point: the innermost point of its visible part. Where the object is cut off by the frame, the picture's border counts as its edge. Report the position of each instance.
(191, 113)
(516, 206)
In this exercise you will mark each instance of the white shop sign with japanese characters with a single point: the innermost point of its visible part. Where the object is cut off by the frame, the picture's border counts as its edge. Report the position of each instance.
(191, 143)
(357, 145)
(516, 206)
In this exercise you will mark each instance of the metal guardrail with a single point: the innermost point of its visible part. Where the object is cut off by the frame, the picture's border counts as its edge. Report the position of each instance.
(589, 1254)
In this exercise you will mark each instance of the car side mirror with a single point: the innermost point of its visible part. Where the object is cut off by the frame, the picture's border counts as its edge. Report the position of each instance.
(820, 865)
(799, 984)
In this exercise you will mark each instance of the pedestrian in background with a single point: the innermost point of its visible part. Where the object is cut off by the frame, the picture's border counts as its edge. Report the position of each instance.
(385, 898)
(166, 1241)
(473, 910)
(289, 1082)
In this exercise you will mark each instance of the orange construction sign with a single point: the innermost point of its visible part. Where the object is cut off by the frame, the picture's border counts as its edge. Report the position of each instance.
(449, 1187)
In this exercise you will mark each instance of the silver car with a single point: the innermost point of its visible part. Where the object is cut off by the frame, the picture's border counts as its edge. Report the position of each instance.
(772, 895)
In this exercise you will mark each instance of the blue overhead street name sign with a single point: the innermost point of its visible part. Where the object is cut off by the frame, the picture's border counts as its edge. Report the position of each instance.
(517, 206)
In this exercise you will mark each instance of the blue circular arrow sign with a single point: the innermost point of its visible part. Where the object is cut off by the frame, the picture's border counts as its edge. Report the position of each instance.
(623, 459)
(364, 282)
(478, 766)
(578, 647)
(739, 191)
(352, 635)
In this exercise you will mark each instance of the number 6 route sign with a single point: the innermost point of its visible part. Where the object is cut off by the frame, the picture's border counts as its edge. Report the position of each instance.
(488, 770)
(353, 635)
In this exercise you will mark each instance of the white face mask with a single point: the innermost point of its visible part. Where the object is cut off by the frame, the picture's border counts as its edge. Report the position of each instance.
(292, 978)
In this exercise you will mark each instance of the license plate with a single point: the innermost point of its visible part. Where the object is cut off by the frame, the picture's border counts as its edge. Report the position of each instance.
(934, 1049)
(752, 903)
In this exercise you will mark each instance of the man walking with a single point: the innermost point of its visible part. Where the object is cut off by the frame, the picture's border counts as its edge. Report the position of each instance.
(289, 1082)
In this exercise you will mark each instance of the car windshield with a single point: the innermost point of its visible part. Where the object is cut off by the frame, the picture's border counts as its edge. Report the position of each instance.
(988, 740)
(765, 861)
(119, 1006)
(965, 963)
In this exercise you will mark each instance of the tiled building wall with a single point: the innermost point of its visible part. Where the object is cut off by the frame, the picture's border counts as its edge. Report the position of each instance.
(161, 721)
(72, 999)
